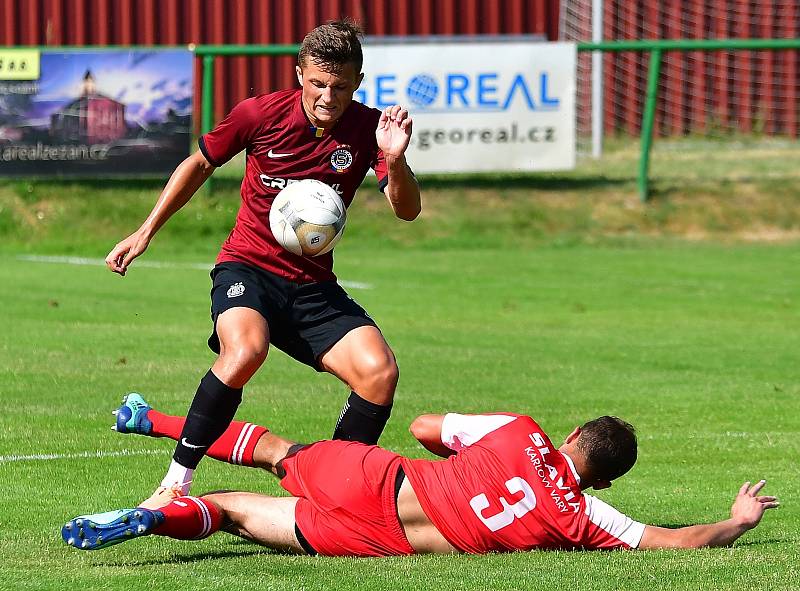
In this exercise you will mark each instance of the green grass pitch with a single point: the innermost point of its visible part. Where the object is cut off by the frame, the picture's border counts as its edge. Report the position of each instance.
(696, 344)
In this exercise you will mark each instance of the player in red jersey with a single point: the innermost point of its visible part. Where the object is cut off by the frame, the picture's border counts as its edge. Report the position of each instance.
(502, 487)
(263, 294)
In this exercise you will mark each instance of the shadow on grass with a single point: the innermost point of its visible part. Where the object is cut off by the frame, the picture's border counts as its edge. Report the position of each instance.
(662, 193)
(540, 181)
(261, 551)
(543, 182)
(768, 542)
(187, 558)
(112, 183)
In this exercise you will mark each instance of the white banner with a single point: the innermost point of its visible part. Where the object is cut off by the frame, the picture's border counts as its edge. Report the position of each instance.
(479, 106)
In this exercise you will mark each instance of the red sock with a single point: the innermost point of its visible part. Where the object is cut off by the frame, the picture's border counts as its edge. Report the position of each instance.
(165, 425)
(189, 518)
(235, 445)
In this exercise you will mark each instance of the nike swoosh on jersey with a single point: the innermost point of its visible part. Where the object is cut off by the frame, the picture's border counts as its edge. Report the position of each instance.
(272, 154)
(193, 446)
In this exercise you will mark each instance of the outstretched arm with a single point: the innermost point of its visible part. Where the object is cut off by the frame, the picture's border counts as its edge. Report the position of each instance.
(184, 182)
(393, 135)
(746, 513)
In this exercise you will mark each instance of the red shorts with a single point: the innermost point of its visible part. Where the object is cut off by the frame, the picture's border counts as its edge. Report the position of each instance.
(347, 503)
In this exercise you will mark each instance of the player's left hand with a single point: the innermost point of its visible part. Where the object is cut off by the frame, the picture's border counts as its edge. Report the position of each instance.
(749, 506)
(394, 131)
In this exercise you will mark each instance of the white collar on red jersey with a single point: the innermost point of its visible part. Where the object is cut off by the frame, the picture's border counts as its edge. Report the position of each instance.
(572, 467)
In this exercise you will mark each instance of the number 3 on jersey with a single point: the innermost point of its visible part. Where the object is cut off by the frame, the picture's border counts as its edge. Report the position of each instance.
(506, 517)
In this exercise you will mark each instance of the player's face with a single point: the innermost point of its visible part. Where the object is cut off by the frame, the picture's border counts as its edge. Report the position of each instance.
(326, 95)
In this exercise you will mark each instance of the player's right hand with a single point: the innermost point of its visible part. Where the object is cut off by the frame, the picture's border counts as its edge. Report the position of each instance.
(125, 251)
(749, 507)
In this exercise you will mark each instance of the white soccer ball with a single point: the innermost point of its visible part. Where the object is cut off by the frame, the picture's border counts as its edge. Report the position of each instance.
(307, 218)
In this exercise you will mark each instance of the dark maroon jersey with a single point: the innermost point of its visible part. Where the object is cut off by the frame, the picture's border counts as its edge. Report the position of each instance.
(282, 146)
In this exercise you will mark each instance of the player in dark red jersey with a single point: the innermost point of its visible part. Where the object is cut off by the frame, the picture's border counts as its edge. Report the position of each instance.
(503, 487)
(263, 294)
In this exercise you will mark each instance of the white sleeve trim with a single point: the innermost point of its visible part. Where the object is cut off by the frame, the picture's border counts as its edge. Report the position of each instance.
(613, 522)
(460, 431)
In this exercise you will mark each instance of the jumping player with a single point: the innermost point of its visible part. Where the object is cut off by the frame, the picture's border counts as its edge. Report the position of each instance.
(263, 294)
(503, 487)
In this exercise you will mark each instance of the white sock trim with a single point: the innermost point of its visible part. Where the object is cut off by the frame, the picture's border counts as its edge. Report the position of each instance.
(205, 516)
(241, 443)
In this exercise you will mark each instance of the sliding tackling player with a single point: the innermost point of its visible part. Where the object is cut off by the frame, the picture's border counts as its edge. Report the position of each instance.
(503, 487)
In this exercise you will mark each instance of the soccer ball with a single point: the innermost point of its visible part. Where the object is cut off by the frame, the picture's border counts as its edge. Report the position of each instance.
(307, 218)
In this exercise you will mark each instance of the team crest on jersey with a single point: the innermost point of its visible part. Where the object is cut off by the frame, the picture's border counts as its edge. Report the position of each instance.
(342, 158)
(235, 290)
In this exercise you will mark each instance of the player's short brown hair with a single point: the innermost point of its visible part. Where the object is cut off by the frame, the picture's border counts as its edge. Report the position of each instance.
(333, 45)
(609, 445)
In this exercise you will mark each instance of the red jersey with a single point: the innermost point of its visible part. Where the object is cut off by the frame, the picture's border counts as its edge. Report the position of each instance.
(508, 488)
(282, 146)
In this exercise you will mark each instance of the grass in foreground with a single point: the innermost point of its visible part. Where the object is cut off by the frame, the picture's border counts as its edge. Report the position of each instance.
(557, 295)
(694, 344)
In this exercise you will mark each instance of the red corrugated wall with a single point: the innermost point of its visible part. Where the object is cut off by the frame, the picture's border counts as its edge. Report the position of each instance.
(699, 92)
(179, 22)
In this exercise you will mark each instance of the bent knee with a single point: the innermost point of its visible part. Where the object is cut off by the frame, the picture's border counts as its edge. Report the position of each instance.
(389, 374)
(380, 366)
(377, 377)
(245, 354)
(243, 335)
(236, 364)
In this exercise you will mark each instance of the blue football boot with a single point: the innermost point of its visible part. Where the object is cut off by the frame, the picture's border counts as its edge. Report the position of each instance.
(132, 415)
(92, 532)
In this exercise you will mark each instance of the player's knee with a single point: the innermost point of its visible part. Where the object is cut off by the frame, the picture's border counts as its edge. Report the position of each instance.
(380, 375)
(217, 498)
(390, 375)
(224, 501)
(244, 356)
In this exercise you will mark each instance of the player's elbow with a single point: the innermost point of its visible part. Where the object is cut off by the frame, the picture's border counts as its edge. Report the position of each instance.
(422, 427)
(408, 214)
(199, 162)
(405, 201)
(416, 427)
(407, 209)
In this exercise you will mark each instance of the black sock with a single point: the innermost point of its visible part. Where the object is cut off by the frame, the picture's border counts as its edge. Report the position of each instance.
(209, 415)
(361, 420)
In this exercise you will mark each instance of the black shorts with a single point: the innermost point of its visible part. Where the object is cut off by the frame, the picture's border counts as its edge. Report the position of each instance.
(305, 320)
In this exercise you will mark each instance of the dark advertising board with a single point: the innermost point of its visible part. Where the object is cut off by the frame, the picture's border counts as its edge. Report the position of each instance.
(94, 113)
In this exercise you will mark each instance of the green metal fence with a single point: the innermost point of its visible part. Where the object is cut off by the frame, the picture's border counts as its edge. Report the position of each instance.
(654, 47)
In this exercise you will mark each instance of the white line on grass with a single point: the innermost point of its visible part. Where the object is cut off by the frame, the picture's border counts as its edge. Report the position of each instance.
(66, 260)
(82, 455)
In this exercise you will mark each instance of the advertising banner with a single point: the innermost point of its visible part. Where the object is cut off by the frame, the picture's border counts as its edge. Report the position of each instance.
(479, 106)
(94, 113)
